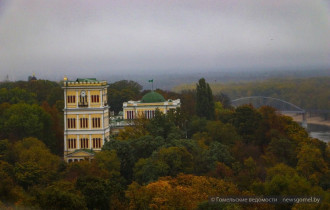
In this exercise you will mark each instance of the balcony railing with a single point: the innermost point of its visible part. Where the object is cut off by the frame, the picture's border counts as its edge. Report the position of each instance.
(82, 104)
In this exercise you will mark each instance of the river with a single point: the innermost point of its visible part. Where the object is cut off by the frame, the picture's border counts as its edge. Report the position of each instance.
(321, 132)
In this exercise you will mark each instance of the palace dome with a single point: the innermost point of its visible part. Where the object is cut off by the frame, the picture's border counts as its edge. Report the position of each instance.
(152, 97)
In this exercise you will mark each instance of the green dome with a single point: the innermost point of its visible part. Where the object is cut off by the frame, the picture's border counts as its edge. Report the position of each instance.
(152, 97)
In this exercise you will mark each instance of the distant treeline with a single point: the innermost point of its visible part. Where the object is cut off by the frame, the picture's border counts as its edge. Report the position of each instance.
(309, 94)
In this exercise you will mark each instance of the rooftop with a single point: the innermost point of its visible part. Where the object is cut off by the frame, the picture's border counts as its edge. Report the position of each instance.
(152, 97)
(84, 82)
(87, 80)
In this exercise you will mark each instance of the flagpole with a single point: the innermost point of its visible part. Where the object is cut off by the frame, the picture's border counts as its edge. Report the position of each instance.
(152, 84)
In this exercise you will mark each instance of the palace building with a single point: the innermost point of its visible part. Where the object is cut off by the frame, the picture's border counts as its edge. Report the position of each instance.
(86, 118)
(147, 106)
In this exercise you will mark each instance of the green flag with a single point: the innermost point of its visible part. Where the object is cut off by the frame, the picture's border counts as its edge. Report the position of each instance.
(151, 80)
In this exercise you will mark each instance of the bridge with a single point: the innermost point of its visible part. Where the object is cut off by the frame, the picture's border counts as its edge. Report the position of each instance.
(281, 106)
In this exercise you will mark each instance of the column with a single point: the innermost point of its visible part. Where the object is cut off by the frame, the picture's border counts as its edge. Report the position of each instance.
(78, 124)
(65, 99)
(65, 144)
(89, 122)
(101, 96)
(77, 98)
(65, 128)
(89, 99)
(102, 119)
(90, 141)
(78, 142)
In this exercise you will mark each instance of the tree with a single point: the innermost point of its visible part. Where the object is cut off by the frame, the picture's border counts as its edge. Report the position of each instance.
(204, 100)
(181, 192)
(223, 133)
(311, 163)
(223, 99)
(166, 162)
(24, 120)
(247, 121)
(220, 152)
(60, 195)
(122, 91)
(127, 84)
(109, 161)
(134, 132)
(16, 95)
(284, 180)
(96, 191)
(160, 125)
(33, 162)
(177, 158)
(188, 102)
(57, 126)
(125, 153)
(284, 150)
(9, 191)
(146, 145)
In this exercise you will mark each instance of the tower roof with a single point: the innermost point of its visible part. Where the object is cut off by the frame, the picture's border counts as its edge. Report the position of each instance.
(152, 97)
(83, 82)
(86, 80)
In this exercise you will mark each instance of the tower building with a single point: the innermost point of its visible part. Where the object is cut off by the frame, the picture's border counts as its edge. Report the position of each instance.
(86, 118)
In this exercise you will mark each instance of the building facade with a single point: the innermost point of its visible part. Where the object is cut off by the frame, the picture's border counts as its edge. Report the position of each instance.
(147, 106)
(86, 118)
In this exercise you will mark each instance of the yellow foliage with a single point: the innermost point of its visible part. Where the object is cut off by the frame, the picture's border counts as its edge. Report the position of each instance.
(183, 192)
(134, 132)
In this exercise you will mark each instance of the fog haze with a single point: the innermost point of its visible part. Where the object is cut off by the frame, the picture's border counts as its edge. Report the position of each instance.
(103, 38)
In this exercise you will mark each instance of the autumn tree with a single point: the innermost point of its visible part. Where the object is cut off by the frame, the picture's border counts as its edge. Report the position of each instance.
(181, 192)
(33, 162)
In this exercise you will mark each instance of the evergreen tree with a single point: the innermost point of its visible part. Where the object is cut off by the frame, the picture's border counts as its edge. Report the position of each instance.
(205, 102)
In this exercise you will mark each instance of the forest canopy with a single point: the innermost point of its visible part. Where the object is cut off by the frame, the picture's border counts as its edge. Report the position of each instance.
(172, 161)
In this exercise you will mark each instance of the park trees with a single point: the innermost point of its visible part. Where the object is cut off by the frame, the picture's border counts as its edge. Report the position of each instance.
(125, 153)
(24, 120)
(166, 162)
(122, 91)
(181, 192)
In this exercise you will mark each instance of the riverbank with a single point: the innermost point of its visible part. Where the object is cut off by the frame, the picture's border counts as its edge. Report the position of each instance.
(310, 120)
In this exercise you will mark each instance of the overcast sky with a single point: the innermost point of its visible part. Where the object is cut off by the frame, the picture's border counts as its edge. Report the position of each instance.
(89, 37)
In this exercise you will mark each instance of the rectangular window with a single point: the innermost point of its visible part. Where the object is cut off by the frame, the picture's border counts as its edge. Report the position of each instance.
(130, 115)
(96, 122)
(72, 143)
(95, 98)
(71, 99)
(83, 122)
(96, 142)
(84, 143)
(83, 101)
(71, 122)
(149, 114)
